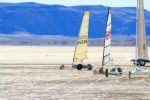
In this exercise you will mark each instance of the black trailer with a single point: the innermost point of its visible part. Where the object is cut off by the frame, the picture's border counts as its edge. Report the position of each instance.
(140, 62)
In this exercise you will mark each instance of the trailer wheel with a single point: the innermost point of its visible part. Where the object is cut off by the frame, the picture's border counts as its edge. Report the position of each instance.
(136, 63)
(79, 66)
(89, 67)
(106, 72)
(142, 63)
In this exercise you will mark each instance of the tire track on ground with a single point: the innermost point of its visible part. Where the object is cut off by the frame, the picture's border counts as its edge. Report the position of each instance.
(85, 87)
(70, 79)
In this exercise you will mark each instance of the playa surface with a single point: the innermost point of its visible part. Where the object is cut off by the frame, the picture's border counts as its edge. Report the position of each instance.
(32, 72)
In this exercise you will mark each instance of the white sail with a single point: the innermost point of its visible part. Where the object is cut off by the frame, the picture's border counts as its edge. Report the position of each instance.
(141, 47)
(82, 43)
(107, 42)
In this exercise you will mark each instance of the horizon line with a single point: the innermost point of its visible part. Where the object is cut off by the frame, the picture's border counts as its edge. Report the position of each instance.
(70, 5)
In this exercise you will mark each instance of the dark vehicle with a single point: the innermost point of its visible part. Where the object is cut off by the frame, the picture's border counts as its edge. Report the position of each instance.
(140, 62)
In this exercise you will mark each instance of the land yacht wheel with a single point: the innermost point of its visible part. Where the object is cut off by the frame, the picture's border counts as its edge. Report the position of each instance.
(89, 67)
(79, 66)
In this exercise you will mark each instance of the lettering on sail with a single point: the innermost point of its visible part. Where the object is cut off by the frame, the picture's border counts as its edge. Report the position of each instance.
(108, 34)
(82, 40)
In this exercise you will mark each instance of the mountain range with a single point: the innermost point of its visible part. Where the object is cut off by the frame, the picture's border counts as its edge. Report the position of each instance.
(34, 21)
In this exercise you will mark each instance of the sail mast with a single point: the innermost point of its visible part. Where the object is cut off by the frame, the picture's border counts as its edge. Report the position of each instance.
(107, 40)
(141, 47)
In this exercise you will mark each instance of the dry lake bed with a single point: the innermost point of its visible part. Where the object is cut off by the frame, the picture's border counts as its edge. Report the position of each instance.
(32, 73)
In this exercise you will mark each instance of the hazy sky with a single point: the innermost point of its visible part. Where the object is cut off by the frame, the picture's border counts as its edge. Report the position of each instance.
(114, 3)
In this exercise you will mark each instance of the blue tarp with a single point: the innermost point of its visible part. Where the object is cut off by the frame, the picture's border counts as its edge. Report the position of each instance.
(136, 69)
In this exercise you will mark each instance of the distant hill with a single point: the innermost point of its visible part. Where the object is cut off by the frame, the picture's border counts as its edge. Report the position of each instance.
(39, 21)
